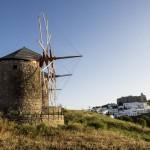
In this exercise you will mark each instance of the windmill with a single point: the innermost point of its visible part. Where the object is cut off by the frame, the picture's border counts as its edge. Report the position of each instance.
(48, 59)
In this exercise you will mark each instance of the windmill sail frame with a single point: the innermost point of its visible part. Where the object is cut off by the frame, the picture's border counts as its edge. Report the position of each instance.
(47, 60)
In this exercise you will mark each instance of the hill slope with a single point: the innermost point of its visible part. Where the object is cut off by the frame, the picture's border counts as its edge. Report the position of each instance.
(141, 119)
(82, 130)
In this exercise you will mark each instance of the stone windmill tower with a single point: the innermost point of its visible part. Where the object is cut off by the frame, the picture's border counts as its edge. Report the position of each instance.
(27, 78)
(20, 82)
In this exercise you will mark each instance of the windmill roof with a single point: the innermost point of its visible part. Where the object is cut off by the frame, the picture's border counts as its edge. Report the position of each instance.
(22, 54)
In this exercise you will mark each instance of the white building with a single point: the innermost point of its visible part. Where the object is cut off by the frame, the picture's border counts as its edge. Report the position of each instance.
(133, 109)
(110, 109)
(126, 109)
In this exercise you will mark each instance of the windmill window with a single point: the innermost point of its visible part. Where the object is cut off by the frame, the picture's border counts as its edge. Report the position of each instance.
(14, 67)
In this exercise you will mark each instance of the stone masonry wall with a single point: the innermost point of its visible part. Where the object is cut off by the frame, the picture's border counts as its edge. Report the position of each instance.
(20, 86)
(45, 98)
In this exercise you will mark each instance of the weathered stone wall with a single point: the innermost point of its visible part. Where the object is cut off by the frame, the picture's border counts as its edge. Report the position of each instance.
(52, 110)
(45, 98)
(20, 86)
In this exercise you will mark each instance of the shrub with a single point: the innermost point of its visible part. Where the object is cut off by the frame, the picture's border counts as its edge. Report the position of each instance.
(75, 126)
(146, 137)
(142, 122)
(25, 129)
(41, 129)
(126, 118)
(95, 122)
(13, 113)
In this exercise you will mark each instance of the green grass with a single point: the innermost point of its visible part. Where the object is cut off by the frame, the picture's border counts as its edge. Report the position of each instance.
(82, 130)
(97, 121)
(143, 119)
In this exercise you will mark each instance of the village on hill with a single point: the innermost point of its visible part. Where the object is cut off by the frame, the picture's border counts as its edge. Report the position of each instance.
(126, 106)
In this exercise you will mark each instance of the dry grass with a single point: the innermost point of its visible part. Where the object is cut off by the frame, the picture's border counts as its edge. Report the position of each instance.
(98, 140)
(74, 135)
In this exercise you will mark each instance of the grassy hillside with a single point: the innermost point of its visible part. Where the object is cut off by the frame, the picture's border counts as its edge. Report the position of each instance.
(82, 130)
(143, 119)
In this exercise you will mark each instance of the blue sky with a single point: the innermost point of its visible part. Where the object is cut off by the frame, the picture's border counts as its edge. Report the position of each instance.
(113, 36)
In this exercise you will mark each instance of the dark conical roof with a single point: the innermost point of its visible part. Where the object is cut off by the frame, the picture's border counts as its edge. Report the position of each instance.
(22, 54)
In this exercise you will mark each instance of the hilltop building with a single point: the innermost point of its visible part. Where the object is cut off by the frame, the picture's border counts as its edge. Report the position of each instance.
(130, 99)
(129, 106)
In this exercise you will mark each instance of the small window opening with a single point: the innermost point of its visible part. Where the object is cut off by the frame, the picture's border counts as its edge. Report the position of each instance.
(14, 67)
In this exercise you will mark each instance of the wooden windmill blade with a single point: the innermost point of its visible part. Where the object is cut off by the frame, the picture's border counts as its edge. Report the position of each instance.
(52, 83)
(45, 64)
(41, 42)
(64, 57)
(47, 60)
(63, 75)
(56, 89)
(67, 57)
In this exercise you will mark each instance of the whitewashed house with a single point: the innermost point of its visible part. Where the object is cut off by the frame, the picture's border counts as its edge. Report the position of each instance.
(126, 106)
(110, 109)
(133, 105)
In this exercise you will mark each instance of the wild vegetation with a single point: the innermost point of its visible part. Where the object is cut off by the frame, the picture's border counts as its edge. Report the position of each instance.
(143, 119)
(82, 130)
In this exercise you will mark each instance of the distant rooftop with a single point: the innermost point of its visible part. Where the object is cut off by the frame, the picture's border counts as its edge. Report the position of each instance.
(22, 54)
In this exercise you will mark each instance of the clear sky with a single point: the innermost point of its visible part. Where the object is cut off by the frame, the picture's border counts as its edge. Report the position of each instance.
(113, 36)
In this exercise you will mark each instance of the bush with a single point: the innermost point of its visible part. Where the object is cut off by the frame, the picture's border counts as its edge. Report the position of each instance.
(25, 129)
(146, 137)
(142, 122)
(41, 129)
(74, 117)
(13, 113)
(126, 118)
(96, 124)
(75, 126)
(80, 119)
